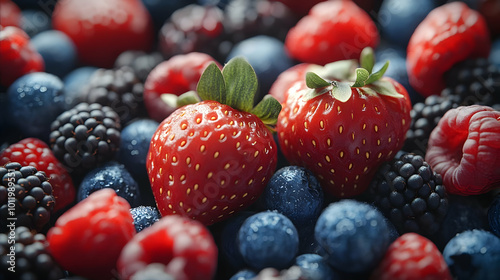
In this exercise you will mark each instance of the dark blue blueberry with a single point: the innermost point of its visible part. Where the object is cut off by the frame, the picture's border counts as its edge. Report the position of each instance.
(35, 21)
(268, 239)
(473, 254)
(244, 274)
(494, 215)
(74, 81)
(35, 100)
(267, 56)
(134, 146)
(58, 51)
(161, 10)
(144, 216)
(398, 19)
(355, 235)
(495, 53)
(315, 267)
(229, 240)
(110, 175)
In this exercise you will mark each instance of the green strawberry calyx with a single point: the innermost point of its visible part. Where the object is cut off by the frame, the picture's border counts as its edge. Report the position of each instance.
(236, 86)
(345, 75)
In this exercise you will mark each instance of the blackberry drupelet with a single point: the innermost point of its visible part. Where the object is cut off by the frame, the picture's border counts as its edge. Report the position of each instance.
(84, 136)
(25, 197)
(410, 194)
(119, 89)
(141, 62)
(32, 257)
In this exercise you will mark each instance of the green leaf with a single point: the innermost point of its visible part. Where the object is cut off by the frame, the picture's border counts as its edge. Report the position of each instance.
(170, 99)
(361, 77)
(315, 81)
(342, 91)
(241, 84)
(338, 70)
(211, 85)
(267, 110)
(189, 97)
(367, 59)
(384, 87)
(379, 74)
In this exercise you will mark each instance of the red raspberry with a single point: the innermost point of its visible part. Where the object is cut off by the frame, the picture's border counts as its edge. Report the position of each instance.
(88, 238)
(449, 34)
(10, 14)
(102, 30)
(17, 56)
(175, 76)
(34, 152)
(412, 257)
(465, 149)
(185, 246)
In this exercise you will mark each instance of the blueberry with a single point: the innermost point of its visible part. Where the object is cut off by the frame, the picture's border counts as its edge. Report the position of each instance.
(267, 56)
(35, 100)
(161, 10)
(354, 234)
(398, 18)
(244, 274)
(35, 21)
(110, 175)
(268, 239)
(494, 215)
(229, 235)
(144, 216)
(58, 51)
(74, 81)
(473, 254)
(495, 53)
(315, 267)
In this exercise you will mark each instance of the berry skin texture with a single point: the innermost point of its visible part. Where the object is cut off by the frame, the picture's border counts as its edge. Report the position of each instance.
(34, 152)
(17, 55)
(88, 238)
(354, 235)
(464, 148)
(332, 31)
(144, 216)
(433, 50)
(184, 246)
(412, 257)
(176, 76)
(101, 30)
(473, 254)
(208, 160)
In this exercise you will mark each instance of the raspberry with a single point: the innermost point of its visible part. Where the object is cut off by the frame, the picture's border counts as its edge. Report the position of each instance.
(32, 202)
(84, 136)
(410, 194)
(87, 239)
(34, 152)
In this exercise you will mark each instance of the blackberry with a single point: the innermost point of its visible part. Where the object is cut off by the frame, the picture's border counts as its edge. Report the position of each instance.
(117, 88)
(410, 194)
(84, 136)
(30, 256)
(25, 197)
(141, 62)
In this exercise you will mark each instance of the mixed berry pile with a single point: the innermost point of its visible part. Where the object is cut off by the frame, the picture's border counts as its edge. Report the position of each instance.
(249, 139)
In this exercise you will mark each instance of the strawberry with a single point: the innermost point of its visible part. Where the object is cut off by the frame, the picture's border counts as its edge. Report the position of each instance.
(332, 31)
(170, 79)
(210, 159)
(287, 79)
(102, 30)
(433, 47)
(88, 238)
(10, 14)
(465, 149)
(34, 152)
(342, 131)
(17, 55)
(411, 257)
(186, 247)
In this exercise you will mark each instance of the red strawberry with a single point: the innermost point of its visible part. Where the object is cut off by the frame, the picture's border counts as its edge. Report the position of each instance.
(342, 131)
(88, 238)
(213, 158)
(34, 152)
(185, 246)
(333, 30)
(412, 257)
(465, 149)
(17, 56)
(287, 79)
(170, 79)
(102, 30)
(10, 14)
(449, 34)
